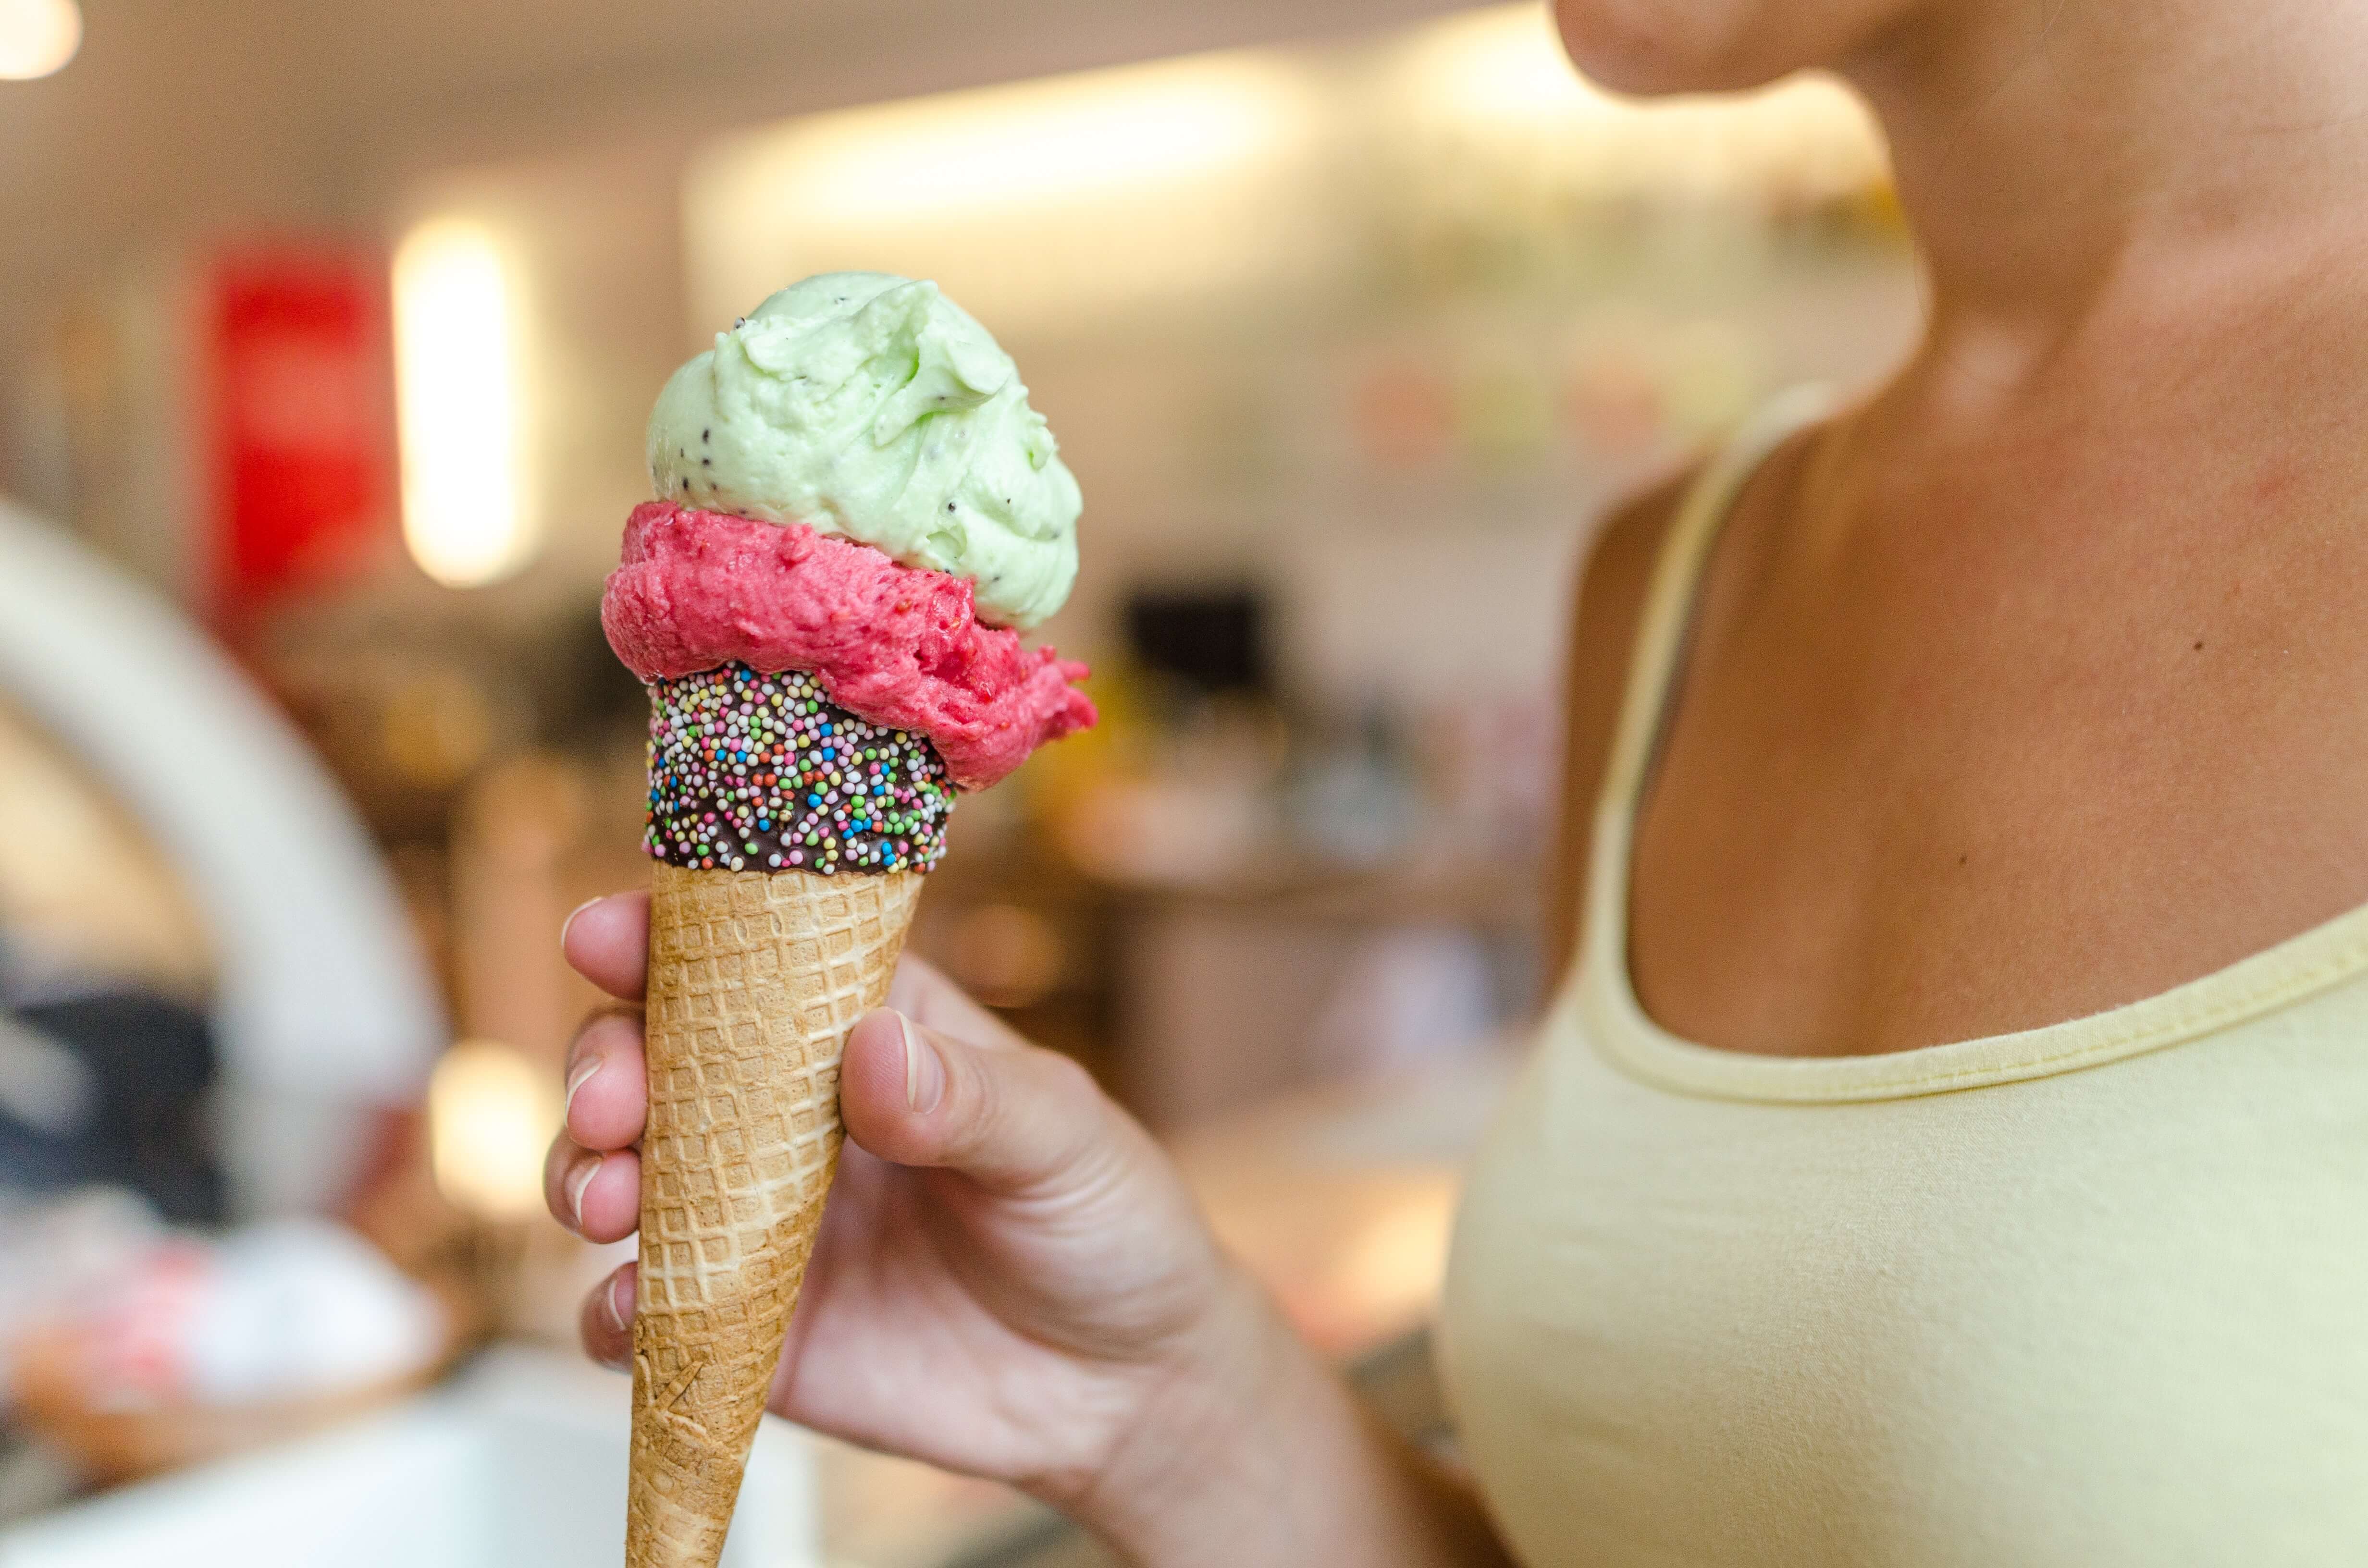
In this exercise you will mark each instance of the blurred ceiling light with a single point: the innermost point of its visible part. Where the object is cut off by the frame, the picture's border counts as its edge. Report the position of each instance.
(464, 512)
(491, 1113)
(36, 38)
(1059, 140)
(1040, 205)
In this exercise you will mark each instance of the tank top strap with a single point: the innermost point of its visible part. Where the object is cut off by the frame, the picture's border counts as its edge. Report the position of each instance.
(1659, 648)
(1668, 604)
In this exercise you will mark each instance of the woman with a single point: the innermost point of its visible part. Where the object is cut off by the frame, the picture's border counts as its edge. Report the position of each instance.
(1995, 711)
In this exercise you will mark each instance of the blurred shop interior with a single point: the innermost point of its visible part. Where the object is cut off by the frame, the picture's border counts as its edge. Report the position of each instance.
(327, 331)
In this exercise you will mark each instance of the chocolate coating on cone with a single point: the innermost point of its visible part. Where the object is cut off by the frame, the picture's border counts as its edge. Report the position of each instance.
(755, 771)
(755, 981)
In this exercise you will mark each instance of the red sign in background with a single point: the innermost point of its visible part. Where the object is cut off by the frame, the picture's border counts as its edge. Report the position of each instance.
(301, 447)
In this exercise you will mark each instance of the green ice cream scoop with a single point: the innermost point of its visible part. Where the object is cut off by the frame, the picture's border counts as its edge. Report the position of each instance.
(872, 406)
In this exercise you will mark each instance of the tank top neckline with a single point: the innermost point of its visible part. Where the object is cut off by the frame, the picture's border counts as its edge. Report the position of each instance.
(1602, 992)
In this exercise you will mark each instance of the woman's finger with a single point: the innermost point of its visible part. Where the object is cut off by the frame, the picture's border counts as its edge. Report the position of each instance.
(1011, 1119)
(598, 1196)
(606, 1321)
(607, 1086)
(607, 942)
(564, 1164)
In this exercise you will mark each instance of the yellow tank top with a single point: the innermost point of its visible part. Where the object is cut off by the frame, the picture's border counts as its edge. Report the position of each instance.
(2082, 1296)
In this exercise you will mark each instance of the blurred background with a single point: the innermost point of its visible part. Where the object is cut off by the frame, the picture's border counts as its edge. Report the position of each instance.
(327, 331)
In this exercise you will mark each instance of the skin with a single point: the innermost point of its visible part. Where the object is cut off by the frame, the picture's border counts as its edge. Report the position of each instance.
(1012, 1281)
(2028, 688)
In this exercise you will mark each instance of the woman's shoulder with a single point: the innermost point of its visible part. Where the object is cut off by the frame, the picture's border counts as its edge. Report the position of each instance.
(1615, 575)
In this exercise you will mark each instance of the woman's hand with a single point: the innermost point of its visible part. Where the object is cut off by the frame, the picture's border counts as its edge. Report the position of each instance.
(1010, 1280)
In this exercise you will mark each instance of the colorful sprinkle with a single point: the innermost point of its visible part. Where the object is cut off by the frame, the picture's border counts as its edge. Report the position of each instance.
(747, 771)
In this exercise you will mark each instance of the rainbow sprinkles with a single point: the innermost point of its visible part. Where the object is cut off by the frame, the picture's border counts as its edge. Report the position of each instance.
(758, 772)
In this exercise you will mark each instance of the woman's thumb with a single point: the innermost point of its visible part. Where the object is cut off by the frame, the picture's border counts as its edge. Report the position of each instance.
(1008, 1118)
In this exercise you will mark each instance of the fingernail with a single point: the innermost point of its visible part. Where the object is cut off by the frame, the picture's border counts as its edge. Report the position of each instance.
(570, 921)
(577, 1180)
(576, 1080)
(925, 1075)
(620, 1301)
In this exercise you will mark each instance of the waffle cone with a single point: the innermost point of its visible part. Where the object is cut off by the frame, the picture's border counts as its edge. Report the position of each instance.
(756, 978)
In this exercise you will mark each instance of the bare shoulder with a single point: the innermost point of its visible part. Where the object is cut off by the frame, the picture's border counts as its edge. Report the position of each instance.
(1615, 573)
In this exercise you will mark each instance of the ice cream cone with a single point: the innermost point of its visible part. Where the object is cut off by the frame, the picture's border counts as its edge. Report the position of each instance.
(755, 980)
(855, 514)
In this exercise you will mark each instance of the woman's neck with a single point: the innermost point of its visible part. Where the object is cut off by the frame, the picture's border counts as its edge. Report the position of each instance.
(2057, 157)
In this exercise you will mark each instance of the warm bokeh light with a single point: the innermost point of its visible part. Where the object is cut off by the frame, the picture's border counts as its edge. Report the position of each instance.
(1039, 143)
(36, 38)
(465, 513)
(1502, 62)
(491, 1114)
(1047, 196)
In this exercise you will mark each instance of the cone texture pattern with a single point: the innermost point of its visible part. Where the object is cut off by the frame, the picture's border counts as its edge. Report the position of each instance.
(756, 978)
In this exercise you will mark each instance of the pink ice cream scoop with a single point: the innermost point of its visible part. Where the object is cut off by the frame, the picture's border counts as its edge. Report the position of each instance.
(899, 646)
